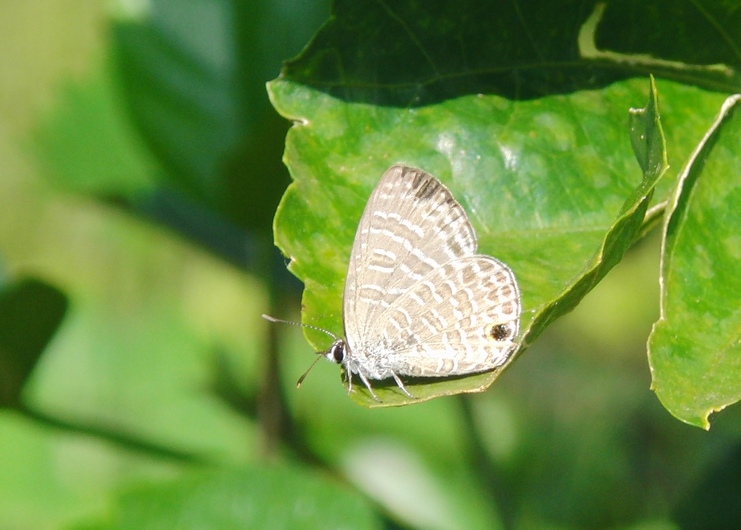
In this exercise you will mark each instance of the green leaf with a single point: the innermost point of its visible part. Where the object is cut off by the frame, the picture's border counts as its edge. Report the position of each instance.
(695, 347)
(535, 145)
(540, 194)
(648, 142)
(260, 497)
(30, 313)
(647, 136)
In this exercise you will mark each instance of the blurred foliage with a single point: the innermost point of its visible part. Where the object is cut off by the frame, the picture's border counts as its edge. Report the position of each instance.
(141, 172)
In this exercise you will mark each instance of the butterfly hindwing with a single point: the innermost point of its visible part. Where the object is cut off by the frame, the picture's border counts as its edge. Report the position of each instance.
(460, 318)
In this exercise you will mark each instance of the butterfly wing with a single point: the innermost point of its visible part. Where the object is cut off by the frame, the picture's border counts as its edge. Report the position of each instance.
(411, 225)
(460, 318)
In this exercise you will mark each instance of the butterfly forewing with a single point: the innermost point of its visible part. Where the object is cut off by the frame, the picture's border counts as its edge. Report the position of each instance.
(411, 226)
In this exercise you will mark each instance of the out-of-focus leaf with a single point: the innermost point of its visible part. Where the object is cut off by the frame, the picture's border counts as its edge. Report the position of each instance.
(263, 497)
(194, 78)
(30, 313)
(88, 146)
(712, 502)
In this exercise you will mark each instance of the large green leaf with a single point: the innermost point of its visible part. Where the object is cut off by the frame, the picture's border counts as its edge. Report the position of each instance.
(532, 140)
(695, 347)
(543, 209)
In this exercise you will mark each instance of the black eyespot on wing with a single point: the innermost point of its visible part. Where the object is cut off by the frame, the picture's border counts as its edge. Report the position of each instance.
(500, 332)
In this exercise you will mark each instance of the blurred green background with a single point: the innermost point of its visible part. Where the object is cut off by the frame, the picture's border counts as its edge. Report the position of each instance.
(139, 172)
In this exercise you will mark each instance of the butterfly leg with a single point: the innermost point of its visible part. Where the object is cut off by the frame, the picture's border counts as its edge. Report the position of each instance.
(348, 379)
(401, 385)
(368, 386)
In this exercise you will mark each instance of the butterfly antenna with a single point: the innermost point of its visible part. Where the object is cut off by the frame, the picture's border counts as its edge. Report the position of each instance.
(319, 356)
(301, 379)
(281, 321)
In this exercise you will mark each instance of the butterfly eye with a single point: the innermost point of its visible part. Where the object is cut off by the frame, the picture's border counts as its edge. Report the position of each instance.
(338, 352)
(499, 332)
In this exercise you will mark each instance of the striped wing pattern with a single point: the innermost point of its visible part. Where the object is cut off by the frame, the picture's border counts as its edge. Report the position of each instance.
(460, 319)
(418, 299)
(410, 226)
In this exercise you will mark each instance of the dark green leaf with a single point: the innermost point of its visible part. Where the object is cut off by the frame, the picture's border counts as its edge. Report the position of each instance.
(30, 313)
(416, 53)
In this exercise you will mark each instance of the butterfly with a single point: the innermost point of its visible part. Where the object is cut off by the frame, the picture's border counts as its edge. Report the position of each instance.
(419, 299)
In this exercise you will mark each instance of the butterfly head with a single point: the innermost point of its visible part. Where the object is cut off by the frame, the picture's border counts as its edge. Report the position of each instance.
(337, 352)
